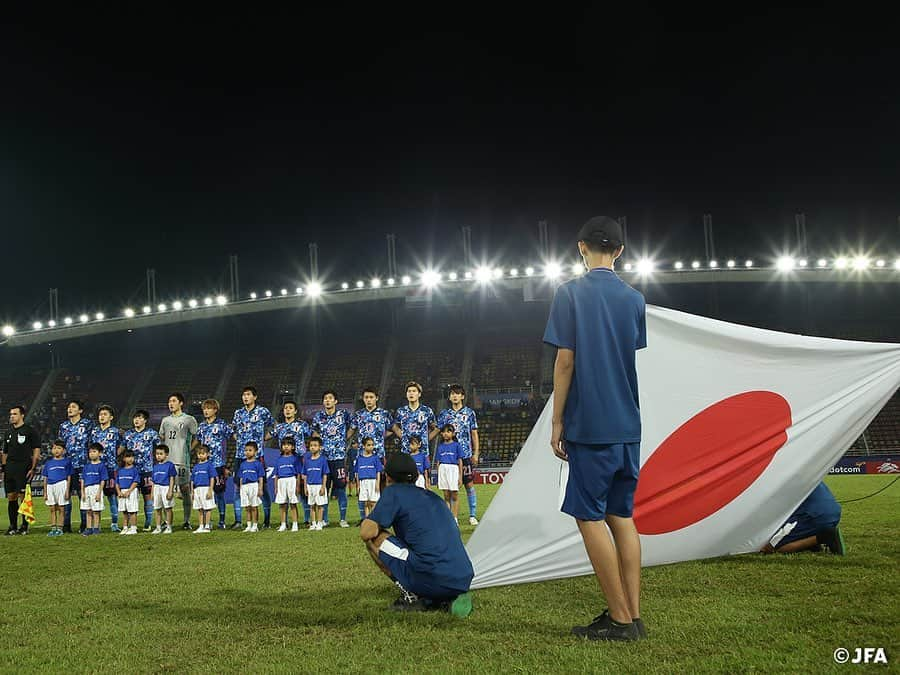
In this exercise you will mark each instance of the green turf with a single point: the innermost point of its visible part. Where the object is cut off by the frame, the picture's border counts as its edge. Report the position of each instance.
(313, 601)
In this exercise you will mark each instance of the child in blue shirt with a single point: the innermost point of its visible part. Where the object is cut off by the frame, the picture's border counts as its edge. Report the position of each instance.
(287, 466)
(448, 458)
(423, 464)
(163, 477)
(368, 474)
(203, 479)
(128, 480)
(252, 475)
(315, 469)
(93, 476)
(57, 486)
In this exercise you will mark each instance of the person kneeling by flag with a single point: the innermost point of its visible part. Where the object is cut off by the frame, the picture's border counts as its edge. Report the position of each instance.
(425, 556)
(813, 526)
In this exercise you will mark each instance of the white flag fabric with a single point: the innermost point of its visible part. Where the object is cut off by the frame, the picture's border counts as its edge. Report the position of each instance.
(739, 425)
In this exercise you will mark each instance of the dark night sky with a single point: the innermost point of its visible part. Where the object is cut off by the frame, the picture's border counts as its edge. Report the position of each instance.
(133, 139)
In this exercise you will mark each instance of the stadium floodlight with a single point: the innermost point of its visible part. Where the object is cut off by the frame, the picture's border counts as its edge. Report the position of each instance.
(68, 321)
(99, 316)
(483, 274)
(529, 271)
(314, 290)
(468, 274)
(192, 303)
(360, 283)
(283, 291)
(628, 267)
(679, 265)
(177, 306)
(405, 279)
(268, 294)
(375, 283)
(552, 270)
(430, 278)
(802, 262)
(879, 263)
(860, 262)
(645, 266)
(207, 301)
(577, 268)
(161, 307)
(897, 264)
(453, 276)
(695, 265)
(841, 263)
(730, 263)
(51, 323)
(345, 286)
(391, 281)
(497, 273)
(785, 263)
(8, 330)
(299, 290)
(713, 264)
(821, 262)
(37, 325)
(221, 300)
(84, 318)
(129, 313)
(748, 263)
(253, 295)
(514, 272)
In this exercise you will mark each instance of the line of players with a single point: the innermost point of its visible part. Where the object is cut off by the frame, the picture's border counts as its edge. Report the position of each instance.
(254, 424)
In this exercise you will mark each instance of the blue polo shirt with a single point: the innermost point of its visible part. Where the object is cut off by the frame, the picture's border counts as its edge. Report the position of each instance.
(603, 320)
(423, 522)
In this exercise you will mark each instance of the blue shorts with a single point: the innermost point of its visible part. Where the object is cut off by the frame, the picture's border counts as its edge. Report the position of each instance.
(808, 527)
(602, 479)
(396, 557)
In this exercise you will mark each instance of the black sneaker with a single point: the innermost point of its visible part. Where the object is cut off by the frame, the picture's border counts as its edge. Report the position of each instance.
(237, 526)
(266, 525)
(187, 526)
(23, 530)
(604, 628)
(641, 629)
(832, 540)
(404, 604)
(12, 532)
(67, 529)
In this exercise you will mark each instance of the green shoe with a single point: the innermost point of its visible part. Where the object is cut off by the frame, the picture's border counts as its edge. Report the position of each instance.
(462, 606)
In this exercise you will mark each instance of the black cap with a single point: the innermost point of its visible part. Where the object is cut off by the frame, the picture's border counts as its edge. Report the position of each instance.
(602, 231)
(402, 468)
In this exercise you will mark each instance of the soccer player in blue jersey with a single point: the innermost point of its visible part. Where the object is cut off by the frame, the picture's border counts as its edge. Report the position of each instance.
(164, 474)
(299, 429)
(253, 478)
(371, 421)
(368, 472)
(141, 440)
(250, 424)
(448, 458)
(597, 323)
(214, 432)
(57, 473)
(414, 419)
(287, 466)
(332, 426)
(315, 471)
(422, 462)
(76, 432)
(93, 477)
(128, 481)
(463, 419)
(203, 480)
(110, 438)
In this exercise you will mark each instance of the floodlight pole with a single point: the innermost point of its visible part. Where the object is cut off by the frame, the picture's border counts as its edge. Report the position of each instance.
(151, 287)
(234, 278)
(623, 221)
(708, 237)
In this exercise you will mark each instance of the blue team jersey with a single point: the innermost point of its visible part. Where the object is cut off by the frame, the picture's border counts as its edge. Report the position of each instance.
(251, 471)
(368, 467)
(215, 435)
(287, 466)
(57, 470)
(425, 525)
(141, 444)
(94, 474)
(448, 453)
(251, 425)
(315, 469)
(333, 430)
(163, 472)
(77, 438)
(416, 422)
(464, 422)
(298, 429)
(374, 425)
(422, 461)
(203, 473)
(110, 438)
(128, 476)
(603, 320)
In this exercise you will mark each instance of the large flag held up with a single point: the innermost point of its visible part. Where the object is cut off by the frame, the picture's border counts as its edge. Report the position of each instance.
(739, 425)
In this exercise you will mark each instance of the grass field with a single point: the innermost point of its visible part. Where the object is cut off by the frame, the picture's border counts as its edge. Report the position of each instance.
(313, 602)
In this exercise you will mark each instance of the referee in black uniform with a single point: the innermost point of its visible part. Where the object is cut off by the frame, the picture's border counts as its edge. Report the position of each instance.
(21, 450)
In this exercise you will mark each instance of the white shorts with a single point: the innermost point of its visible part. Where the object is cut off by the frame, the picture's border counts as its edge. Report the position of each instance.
(286, 490)
(56, 494)
(368, 490)
(250, 494)
(200, 500)
(448, 477)
(313, 496)
(129, 504)
(159, 497)
(420, 481)
(89, 502)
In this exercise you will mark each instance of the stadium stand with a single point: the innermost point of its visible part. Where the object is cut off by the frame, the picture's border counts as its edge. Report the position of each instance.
(347, 372)
(507, 361)
(432, 360)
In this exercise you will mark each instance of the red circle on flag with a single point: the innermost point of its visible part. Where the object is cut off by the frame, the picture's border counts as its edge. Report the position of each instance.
(709, 460)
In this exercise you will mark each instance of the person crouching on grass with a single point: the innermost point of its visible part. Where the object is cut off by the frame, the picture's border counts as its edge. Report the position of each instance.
(424, 557)
(163, 478)
(128, 481)
(449, 464)
(253, 476)
(93, 476)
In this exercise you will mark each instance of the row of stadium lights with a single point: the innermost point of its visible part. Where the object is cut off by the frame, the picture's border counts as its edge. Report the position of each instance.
(484, 275)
